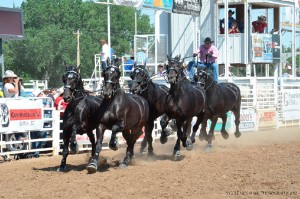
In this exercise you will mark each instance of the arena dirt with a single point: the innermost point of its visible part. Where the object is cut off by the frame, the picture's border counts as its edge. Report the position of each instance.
(264, 164)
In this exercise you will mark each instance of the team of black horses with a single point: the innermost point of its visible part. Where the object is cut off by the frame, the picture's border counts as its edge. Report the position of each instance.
(129, 113)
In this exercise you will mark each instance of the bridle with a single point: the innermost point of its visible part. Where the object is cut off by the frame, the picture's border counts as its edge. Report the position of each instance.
(143, 81)
(177, 71)
(70, 74)
(115, 84)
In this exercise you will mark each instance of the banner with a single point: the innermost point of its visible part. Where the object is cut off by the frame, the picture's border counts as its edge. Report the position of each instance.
(188, 7)
(248, 120)
(267, 118)
(130, 3)
(262, 48)
(291, 104)
(19, 115)
(159, 4)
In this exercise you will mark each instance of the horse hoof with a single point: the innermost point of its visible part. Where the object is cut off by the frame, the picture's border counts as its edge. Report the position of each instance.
(123, 165)
(163, 139)
(237, 134)
(91, 168)
(62, 169)
(114, 145)
(189, 144)
(225, 135)
(202, 137)
(74, 148)
(193, 140)
(176, 155)
(208, 148)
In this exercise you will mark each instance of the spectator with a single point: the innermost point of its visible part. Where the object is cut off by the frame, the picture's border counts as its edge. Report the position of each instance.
(259, 25)
(141, 57)
(208, 58)
(230, 21)
(11, 90)
(105, 53)
(160, 71)
(129, 63)
(59, 102)
(10, 84)
(52, 94)
(234, 28)
(230, 74)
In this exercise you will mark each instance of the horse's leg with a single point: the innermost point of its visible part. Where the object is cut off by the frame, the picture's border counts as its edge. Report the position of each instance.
(196, 126)
(131, 140)
(114, 143)
(164, 121)
(225, 134)
(148, 137)
(91, 136)
(74, 147)
(93, 165)
(176, 152)
(65, 152)
(211, 135)
(203, 134)
(187, 142)
(236, 112)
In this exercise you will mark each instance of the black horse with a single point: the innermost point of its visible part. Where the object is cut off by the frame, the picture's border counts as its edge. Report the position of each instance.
(125, 113)
(157, 97)
(220, 98)
(80, 115)
(187, 101)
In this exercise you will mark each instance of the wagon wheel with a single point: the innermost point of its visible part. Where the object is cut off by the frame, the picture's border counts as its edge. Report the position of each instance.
(14, 147)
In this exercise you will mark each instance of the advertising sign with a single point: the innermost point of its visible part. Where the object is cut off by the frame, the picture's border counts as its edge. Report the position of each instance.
(262, 48)
(267, 118)
(188, 7)
(291, 104)
(159, 4)
(130, 3)
(21, 115)
(248, 120)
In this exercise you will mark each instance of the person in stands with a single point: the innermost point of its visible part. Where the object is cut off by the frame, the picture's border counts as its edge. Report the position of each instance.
(234, 28)
(259, 25)
(10, 84)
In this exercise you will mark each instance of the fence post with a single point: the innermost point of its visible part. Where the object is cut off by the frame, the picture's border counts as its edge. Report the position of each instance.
(56, 132)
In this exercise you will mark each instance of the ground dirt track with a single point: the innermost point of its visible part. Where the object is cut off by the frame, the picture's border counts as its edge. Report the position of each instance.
(264, 164)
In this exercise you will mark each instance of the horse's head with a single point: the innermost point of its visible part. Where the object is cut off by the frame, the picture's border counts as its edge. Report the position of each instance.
(72, 82)
(139, 78)
(204, 78)
(111, 77)
(174, 69)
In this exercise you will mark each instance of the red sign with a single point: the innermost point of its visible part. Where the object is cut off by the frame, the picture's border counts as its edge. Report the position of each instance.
(25, 114)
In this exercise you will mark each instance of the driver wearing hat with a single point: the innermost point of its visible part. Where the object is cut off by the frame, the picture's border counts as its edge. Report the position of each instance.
(10, 84)
(208, 55)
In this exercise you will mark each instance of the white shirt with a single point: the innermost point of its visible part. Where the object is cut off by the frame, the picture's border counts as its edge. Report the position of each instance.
(8, 86)
(105, 52)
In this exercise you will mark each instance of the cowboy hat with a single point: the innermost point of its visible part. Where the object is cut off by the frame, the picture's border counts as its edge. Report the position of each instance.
(9, 73)
(262, 17)
(37, 92)
(208, 40)
(230, 11)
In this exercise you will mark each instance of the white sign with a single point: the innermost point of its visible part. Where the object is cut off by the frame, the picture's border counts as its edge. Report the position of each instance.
(248, 120)
(291, 104)
(19, 115)
(130, 3)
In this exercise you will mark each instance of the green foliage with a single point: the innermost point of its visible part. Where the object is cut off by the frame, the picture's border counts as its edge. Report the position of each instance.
(50, 42)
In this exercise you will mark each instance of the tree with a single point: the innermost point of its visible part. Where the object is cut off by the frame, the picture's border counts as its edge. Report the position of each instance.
(50, 44)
